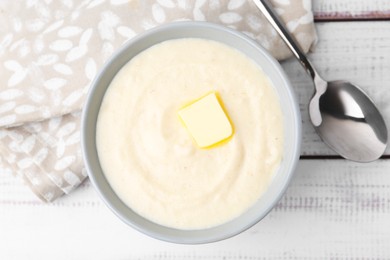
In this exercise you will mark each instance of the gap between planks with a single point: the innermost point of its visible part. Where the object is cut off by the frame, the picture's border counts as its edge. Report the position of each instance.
(348, 17)
(333, 157)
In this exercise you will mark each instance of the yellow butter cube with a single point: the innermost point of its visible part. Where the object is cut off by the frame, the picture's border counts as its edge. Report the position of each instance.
(206, 121)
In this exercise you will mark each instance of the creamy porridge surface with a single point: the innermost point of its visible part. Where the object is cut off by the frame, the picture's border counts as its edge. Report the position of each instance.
(149, 158)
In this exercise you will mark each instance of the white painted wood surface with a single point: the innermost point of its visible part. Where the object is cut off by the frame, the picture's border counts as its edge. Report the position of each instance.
(333, 209)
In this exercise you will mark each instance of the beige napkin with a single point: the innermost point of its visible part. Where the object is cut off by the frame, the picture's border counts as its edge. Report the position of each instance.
(51, 50)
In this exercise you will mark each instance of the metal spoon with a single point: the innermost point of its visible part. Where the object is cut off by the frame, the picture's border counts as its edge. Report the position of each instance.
(344, 116)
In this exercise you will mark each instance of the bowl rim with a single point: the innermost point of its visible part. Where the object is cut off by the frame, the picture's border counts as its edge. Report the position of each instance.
(102, 190)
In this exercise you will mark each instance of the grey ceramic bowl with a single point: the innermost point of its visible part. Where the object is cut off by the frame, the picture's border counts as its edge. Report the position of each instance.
(292, 126)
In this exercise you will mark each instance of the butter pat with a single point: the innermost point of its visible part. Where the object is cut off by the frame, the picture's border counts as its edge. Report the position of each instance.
(206, 121)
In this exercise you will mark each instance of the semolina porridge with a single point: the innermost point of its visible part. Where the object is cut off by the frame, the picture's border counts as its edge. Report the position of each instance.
(150, 159)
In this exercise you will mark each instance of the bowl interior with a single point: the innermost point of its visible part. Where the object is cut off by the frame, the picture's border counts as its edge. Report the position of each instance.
(292, 126)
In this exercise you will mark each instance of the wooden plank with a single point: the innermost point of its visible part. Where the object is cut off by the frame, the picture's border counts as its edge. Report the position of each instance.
(358, 52)
(332, 210)
(328, 10)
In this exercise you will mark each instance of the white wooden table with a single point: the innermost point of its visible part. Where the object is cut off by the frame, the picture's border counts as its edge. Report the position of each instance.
(333, 209)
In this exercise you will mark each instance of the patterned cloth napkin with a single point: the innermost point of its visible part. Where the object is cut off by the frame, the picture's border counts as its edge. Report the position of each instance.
(51, 50)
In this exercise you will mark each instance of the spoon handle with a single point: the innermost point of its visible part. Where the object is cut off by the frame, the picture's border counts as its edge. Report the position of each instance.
(268, 12)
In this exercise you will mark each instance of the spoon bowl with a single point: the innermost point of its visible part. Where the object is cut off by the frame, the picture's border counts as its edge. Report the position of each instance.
(343, 115)
(357, 132)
